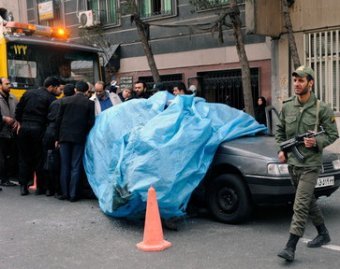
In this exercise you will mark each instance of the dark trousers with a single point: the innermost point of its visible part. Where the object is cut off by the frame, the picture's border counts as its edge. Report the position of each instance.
(52, 181)
(52, 171)
(31, 154)
(71, 156)
(51, 161)
(8, 158)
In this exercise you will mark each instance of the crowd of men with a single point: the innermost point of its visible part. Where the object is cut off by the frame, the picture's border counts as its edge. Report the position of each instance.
(42, 137)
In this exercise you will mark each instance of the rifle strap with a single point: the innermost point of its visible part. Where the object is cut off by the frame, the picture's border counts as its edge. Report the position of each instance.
(317, 115)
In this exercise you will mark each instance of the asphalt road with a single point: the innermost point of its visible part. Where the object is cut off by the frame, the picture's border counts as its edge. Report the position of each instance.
(42, 232)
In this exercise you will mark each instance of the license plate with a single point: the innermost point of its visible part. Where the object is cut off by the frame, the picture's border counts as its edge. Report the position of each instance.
(324, 182)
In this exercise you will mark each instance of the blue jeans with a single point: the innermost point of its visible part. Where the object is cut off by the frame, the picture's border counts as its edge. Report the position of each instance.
(71, 156)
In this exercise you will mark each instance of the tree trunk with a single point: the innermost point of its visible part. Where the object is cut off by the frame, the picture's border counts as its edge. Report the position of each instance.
(246, 80)
(291, 38)
(147, 49)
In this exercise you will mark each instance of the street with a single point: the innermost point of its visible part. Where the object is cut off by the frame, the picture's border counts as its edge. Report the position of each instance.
(43, 232)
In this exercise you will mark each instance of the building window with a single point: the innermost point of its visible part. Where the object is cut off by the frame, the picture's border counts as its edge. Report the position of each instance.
(209, 4)
(225, 86)
(168, 81)
(150, 8)
(322, 53)
(106, 10)
(218, 2)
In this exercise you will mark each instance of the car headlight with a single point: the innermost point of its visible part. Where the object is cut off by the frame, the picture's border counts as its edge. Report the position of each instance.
(276, 169)
(336, 164)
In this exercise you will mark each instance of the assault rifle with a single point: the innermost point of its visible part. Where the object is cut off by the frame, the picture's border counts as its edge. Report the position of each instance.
(293, 143)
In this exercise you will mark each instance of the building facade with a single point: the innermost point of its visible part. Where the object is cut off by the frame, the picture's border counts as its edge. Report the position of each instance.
(316, 28)
(184, 51)
(316, 25)
(183, 47)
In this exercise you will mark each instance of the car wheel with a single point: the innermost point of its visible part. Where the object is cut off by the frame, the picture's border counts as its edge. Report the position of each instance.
(228, 199)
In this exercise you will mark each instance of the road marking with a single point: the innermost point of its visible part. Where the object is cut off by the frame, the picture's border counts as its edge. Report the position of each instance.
(328, 246)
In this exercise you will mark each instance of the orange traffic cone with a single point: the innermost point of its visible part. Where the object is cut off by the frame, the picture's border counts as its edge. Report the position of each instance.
(34, 186)
(153, 233)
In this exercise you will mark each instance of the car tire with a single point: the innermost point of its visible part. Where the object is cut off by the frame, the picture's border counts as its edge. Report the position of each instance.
(228, 199)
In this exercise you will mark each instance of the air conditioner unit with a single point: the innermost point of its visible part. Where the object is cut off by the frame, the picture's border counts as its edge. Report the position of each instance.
(88, 19)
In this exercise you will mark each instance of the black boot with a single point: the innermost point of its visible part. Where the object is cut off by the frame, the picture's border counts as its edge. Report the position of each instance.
(23, 190)
(288, 253)
(321, 239)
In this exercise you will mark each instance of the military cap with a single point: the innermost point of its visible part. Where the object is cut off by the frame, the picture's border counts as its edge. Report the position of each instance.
(303, 71)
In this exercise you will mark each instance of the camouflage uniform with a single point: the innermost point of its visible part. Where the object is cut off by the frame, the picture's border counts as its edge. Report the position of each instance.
(297, 118)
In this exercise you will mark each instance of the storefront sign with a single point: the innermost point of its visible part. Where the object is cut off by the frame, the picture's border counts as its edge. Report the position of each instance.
(46, 11)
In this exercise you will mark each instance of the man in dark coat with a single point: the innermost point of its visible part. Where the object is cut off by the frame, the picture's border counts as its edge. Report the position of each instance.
(51, 163)
(31, 113)
(74, 121)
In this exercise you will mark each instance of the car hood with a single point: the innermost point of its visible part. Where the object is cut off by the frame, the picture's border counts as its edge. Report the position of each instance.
(264, 147)
(251, 146)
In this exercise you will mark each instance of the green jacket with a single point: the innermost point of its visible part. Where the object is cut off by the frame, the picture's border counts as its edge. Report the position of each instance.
(297, 118)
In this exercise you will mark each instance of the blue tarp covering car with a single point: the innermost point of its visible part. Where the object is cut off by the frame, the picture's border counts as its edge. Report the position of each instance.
(166, 142)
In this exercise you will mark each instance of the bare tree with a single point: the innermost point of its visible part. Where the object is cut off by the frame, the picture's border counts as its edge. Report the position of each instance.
(246, 79)
(143, 30)
(233, 12)
(218, 25)
(95, 37)
(291, 38)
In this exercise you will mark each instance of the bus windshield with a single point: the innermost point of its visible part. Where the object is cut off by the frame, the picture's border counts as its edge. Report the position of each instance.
(30, 64)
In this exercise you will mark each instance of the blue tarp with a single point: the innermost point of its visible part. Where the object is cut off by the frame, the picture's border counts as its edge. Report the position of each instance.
(164, 141)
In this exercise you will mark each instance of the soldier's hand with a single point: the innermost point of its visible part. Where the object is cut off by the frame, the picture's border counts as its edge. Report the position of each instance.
(282, 157)
(309, 142)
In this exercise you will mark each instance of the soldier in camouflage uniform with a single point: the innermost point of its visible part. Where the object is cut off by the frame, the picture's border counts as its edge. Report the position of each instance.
(300, 114)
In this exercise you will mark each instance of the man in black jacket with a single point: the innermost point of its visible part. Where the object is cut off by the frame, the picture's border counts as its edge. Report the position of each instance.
(51, 165)
(31, 113)
(74, 121)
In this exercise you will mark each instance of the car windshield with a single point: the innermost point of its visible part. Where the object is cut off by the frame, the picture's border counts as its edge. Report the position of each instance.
(30, 64)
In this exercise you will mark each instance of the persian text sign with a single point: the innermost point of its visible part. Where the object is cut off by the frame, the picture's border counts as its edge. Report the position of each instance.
(46, 11)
